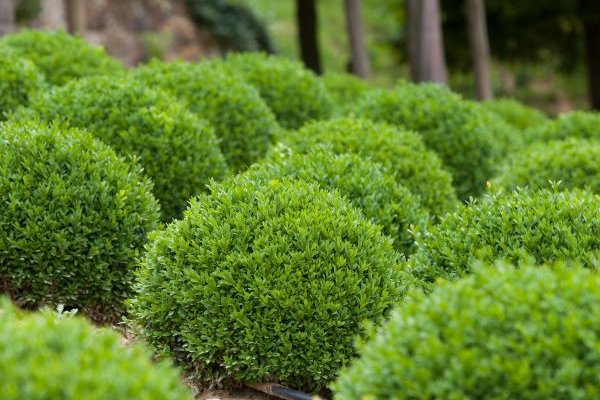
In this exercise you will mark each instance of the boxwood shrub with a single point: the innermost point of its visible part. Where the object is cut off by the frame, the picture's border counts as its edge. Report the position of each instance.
(265, 281)
(469, 139)
(177, 150)
(60, 56)
(20, 81)
(344, 90)
(366, 184)
(578, 124)
(74, 219)
(547, 225)
(294, 93)
(516, 114)
(402, 152)
(502, 333)
(45, 356)
(573, 163)
(243, 122)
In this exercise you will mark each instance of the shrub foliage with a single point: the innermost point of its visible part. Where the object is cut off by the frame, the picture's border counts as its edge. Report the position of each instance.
(20, 81)
(502, 333)
(74, 220)
(516, 114)
(265, 281)
(577, 124)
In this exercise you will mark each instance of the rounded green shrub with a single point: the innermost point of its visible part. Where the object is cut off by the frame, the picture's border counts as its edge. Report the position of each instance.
(74, 219)
(177, 150)
(571, 162)
(578, 124)
(469, 139)
(294, 93)
(243, 122)
(516, 114)
(265, 281)
(502, 333)
(366, 184)
(547, 225)
(20, 81)
(344, 90)
(45, 356)
(60, 56)
(401, 152)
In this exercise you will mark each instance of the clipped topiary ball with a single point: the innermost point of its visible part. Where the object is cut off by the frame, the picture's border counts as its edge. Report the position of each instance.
(577, 124)
(366, 184)
(57, 357)
(20, 80)
(344, 90)
(516, 114)
(469, 139)
(571, 162)
(401, 152)
(177, 150)
(74, 219)
(502, 333)
(546, 225)
(243, 122)
(294, 93)
(265, 282)
(60, 56)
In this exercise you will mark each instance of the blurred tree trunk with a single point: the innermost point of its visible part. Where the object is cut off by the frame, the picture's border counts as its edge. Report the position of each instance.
(306, 14)
(356, 35)
(425, 41)
(590, 14)
(7, 16)
(480, 48)
(76, 16)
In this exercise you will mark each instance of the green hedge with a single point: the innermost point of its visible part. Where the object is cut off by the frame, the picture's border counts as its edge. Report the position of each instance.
(265, 282)
(294, 93)
(502, 333)
(547, 225)
(243, 122)
(177, 150)
(516, 114)
(469, 139)
(366, 184)
(74, 220)
(572, 163)
(577, 124)
(60, 56)
(401, 152)
(344, 90)
(20, 81)
(46, 356)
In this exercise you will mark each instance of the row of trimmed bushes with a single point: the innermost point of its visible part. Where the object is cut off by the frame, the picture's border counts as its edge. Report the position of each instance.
(271, 273)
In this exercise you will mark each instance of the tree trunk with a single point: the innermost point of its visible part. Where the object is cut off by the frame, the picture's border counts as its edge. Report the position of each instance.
(7, 16)
(356, 35)
(425, 42)
(590, 14)
(480, 48)
(306, 14)
(76, 16)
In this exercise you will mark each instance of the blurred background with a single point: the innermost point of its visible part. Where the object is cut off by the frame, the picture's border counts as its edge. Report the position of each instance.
(543, 53)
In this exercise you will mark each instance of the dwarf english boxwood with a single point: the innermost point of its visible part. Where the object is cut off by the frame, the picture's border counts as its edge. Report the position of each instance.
(344, 90)
(177, 150)
(502, 333)
(265, 281)
(572, 163)
(577, 124)
(545, 224)
(294, 93)
(74, 219)
(365, 183)
(60, 56)
(20, 81)
(401, 152)
(243, 122)
(469, 139)
(516, 114)
(48, 356)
